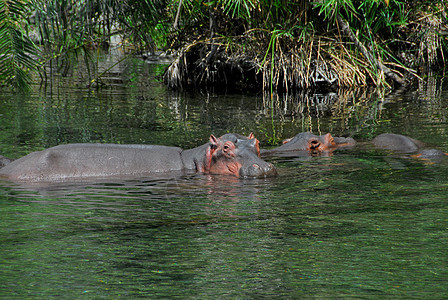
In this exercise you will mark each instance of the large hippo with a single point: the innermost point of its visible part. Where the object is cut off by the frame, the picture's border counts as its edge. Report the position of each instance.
(404, 144)
(230, 154)
(308, 143)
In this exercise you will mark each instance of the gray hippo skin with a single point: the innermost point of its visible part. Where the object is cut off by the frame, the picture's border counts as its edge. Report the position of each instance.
(397, 142)
(404, 144)
(230, 154)
(4, 161)
(311, 144)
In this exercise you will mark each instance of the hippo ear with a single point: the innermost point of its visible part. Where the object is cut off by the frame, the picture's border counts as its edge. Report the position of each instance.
(251, 136)
(285, 141)
(213, 140)
(257, 147)
(329, 140)
(213, 144)
(209, 152)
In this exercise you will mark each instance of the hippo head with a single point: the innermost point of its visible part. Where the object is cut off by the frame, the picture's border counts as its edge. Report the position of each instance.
(233, 154)
(306, 141)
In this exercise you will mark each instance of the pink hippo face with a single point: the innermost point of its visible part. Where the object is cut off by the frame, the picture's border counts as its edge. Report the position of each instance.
(236, 155)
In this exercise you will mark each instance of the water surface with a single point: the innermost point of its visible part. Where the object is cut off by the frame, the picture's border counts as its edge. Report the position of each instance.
(359, 224)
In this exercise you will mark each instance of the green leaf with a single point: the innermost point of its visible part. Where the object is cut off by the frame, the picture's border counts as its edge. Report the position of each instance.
(16, 49)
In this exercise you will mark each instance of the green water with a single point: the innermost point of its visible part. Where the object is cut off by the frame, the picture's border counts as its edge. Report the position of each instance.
(358, 224)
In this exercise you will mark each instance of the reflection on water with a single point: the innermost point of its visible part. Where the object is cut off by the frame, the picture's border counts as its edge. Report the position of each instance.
(352, 225)
(357, 224)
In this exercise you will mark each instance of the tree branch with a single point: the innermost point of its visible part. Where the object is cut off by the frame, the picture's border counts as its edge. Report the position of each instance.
(176, 21)
(346, 30)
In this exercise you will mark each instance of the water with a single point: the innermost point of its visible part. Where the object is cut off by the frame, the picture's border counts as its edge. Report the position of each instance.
(359, 224)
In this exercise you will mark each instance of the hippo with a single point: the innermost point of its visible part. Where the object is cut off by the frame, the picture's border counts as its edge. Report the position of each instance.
(397, 142)
(311, 144)
(404, 144)
(4, 161)
(231, 154)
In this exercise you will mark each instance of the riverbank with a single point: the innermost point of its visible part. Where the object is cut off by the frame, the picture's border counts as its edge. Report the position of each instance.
(387, 44)
(234, 45)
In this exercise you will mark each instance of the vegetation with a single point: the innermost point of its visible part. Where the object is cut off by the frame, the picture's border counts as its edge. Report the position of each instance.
(277, 44)
(39, 36)
(301, 44)
(16, 49)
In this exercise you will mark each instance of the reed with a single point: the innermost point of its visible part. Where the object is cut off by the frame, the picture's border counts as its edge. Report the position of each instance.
(277, 44)
(333, 43)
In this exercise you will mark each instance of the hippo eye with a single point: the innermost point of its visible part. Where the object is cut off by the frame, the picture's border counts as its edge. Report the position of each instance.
(226, 147)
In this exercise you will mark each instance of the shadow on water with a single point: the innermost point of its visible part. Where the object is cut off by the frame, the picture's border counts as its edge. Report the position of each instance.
(358, 224)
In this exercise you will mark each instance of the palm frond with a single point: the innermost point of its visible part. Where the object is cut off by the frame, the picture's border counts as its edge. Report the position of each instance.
(16, 49)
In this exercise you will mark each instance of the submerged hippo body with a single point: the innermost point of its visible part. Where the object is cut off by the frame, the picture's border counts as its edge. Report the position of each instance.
(310, 144)
(404, 144)
(228, 155)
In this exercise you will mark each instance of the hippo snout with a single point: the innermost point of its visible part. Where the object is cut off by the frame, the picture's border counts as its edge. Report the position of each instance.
(256, 170)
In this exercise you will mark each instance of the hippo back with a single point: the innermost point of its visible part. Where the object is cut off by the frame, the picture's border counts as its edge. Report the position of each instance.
(397, 142)
(80, 161)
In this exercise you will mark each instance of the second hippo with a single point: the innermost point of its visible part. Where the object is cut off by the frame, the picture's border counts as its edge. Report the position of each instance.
(307, 143)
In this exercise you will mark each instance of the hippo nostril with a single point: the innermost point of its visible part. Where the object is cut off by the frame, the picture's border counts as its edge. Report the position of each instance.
(314, 144)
